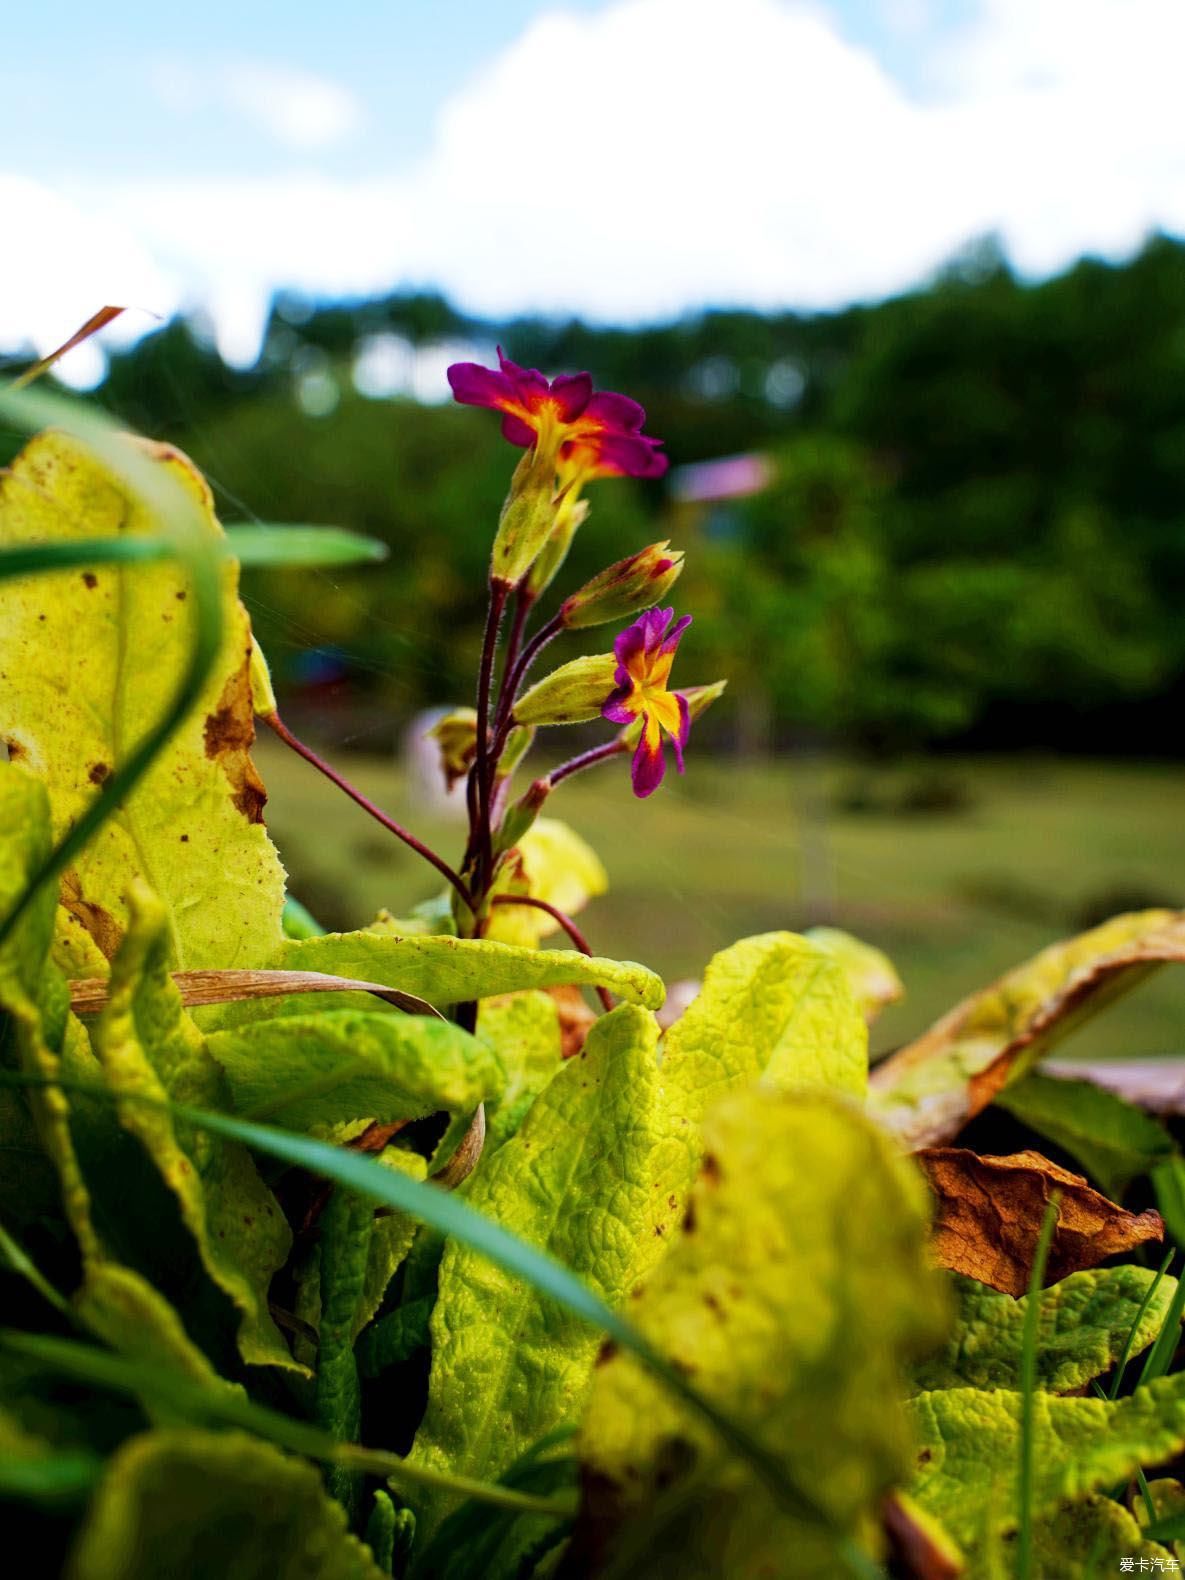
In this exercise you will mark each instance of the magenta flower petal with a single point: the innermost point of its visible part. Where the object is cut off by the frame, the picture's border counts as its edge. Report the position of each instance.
(614, 708)
(518, 431)
(679, 741)
(619, 412)
(647, 768)
(571, 393)
(671, 641)
(473, 385)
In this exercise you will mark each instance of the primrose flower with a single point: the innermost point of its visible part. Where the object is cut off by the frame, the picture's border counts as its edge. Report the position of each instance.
(645, 652)
(586, 433)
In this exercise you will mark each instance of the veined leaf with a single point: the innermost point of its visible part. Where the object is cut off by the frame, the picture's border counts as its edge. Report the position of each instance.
(1112, 1139)
(148, 1046)
(927, 1091)
(990, 1211)
(447, 970)
(554, 864)
(318, 1071)
(189, 1502)
(969, 1451)
(1088, 1537)
(871, 975)
(1082, 1331)
(346, 1227)
(774, 1008)
(524, 1031)
(797, 1292)
(507, 1364)
(93, 660)
(115, 1302)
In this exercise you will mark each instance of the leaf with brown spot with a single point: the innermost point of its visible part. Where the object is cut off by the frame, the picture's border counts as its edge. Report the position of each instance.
(990, 1211)
(927, 1091)
(90, 670)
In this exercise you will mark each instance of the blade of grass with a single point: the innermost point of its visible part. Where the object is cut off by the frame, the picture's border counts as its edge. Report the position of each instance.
(1160, 1357)
(1028, 1390)
(89, 1364)
(451, 1216)
(19, 1262)
(290, 546)
(1149, 1296)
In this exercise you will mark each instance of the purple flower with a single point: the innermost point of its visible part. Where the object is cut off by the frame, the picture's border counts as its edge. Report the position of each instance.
(591, 434)
(645, 652)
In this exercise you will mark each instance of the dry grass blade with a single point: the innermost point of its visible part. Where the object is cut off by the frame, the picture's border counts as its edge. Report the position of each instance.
(94, 323)
(89, 995)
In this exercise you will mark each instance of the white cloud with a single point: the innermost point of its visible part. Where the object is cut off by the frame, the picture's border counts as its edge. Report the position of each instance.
(62, 262)
(660, 154)
(300, 110)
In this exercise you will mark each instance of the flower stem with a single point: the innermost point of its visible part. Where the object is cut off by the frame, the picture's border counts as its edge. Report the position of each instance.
(563, 920)
(484, 759)
(276, 724)
(518, 673)
(589, 759)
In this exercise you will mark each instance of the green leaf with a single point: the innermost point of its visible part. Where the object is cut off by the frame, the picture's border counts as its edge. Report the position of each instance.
(774, 1008)
(871, 975)
(312, 1072)
(272, 543)
(554, 864)
(1113, 1139)
(448, 1216)
(1087, 1537)
(577, 1181)
(346, 1227)
(395, 1337)
(148, 1046)
(33, 1470)
(189, 1502)
(928, 1090)
(115, 1302)
(1168, 1500)
(798, 1290)
(480, 1542)
(969, 1451)
(524, 1031)
(455, 970)
(391, 1240)
(1083, 1328)
(93, 660)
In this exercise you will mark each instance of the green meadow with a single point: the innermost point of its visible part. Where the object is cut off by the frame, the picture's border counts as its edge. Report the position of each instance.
(957, 869)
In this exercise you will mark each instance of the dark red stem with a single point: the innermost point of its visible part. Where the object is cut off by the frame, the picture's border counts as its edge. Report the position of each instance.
(484, 759)
(564, 921)
(589, 759)
(275, 723)
(516, 675)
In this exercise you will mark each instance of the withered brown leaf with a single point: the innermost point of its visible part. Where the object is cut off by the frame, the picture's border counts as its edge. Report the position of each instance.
(990, 1210)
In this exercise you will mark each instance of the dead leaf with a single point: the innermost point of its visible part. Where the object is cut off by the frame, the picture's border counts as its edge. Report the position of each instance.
(990, 1211)
(920, 1548)
(927, 1091)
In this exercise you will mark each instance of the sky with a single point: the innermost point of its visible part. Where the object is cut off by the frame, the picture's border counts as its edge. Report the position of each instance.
(627, 160)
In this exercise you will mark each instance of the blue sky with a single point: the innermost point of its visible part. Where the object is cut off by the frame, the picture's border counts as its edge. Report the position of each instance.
(622, 158)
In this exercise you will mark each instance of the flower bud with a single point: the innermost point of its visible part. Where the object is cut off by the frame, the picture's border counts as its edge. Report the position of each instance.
(570, 516)
(521, 815)
(527, 518)
(518, 743)
(572, 694)
(456, 735)
(625, 589)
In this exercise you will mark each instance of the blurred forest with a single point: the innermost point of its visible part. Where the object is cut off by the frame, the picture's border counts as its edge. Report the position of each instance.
(972, 533)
